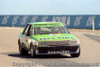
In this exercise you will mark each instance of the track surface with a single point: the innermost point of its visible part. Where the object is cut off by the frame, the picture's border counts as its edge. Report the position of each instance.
(9, 55)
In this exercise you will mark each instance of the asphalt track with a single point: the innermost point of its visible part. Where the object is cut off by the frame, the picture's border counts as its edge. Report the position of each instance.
(9, 55)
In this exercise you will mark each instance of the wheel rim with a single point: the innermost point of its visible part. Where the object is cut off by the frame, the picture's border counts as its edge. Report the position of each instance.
(32, 52)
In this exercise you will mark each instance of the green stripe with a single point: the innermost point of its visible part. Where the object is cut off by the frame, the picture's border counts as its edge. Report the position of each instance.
(48, 25)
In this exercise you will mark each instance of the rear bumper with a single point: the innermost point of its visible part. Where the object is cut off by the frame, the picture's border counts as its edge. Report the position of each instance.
(57, 49)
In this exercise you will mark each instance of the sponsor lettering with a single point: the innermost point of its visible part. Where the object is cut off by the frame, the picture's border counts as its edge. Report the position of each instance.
(90, 20)
(34, 18)
(77, 21)
(14, 21)
(59, 19)
(24, 20)
(4, 21)
(58, 52)
(68, 21)
(99, 23)
(44, 19)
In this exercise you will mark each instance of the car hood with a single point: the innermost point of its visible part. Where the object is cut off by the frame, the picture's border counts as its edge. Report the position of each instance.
(53, 37)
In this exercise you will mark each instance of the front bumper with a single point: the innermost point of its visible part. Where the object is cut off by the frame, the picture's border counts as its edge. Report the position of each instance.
(57, 49)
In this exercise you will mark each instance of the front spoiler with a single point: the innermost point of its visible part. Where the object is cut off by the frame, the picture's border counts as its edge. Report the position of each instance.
(57, 50)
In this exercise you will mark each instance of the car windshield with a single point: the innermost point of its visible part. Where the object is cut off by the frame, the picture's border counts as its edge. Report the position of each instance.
(50, 30)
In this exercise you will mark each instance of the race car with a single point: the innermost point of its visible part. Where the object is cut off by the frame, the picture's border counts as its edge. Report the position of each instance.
(43, 38)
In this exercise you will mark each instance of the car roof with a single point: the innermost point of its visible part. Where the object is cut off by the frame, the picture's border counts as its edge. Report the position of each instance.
(46, 24)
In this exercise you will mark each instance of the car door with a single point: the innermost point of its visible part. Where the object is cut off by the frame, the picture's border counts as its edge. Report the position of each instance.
(25, 37)
(28, 34)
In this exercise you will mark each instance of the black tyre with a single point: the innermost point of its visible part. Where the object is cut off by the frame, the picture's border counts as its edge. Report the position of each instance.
(32, 50)
(76, 54)
(22, 51)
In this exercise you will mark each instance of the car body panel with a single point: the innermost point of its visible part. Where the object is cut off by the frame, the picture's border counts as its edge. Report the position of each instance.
(35, 39)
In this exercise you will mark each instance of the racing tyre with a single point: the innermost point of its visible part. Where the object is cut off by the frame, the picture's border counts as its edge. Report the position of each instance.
(76, 54)
(22, 51)
(33, 52)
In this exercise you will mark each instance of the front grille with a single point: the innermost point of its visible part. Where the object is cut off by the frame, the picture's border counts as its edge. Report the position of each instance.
(57, 48)
(67, 42)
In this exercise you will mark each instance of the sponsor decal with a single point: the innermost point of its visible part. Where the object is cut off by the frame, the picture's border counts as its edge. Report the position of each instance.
(56, 38)
(57, 52)
(5, 20)
(90, 20)
(77, 21)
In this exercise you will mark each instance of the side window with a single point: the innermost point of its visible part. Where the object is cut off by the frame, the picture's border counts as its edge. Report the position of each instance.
(26, 30)
(31, 30)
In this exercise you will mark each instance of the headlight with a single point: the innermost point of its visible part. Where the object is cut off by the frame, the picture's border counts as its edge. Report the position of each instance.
(42, 43)
(37, 43)
(74, 42)
(77, 41)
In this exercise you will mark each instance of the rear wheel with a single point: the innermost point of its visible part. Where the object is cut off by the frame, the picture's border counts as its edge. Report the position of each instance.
(22, 51)
(76, 54)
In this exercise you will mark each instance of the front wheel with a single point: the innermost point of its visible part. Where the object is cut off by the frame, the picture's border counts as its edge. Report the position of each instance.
(76, 54)
(33, 52)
